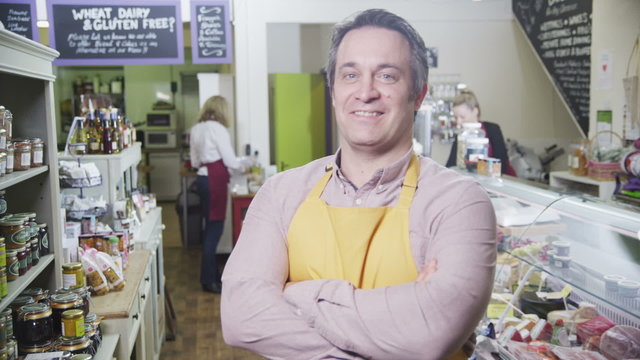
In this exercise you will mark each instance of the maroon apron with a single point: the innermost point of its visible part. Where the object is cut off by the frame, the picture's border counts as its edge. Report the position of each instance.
(218, 178)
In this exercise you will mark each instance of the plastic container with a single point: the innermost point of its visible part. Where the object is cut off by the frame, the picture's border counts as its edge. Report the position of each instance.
(475, 149)
(562, 247)
(611, 282)
(469, 130)
(562, 262)
(628, 288)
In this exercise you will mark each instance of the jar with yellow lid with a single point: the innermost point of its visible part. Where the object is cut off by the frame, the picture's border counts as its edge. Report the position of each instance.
(14, 231)
(34, 325)
(59, 304)
(72, 275)
(10, 158)
(22, 155)
(37, 152)
(73, 323)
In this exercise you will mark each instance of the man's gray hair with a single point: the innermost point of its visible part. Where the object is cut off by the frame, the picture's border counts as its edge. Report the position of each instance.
(383, 19)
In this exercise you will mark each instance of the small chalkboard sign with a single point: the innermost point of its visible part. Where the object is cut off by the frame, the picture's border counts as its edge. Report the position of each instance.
(211, 32)
(116, 32)
(19, 16)
(560, 32)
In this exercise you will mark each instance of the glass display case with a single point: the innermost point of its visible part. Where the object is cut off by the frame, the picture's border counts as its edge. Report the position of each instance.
(570, 239)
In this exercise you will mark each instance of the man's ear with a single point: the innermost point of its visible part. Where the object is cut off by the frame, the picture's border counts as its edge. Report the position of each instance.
(418, 100)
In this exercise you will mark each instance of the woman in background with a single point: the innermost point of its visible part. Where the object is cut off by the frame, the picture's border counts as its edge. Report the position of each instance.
(466, 109)
(212, 154)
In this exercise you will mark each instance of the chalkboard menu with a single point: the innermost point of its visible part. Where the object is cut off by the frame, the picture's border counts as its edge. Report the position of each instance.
(19, 16)
(210, 32)
(116, 32)
(560, 32)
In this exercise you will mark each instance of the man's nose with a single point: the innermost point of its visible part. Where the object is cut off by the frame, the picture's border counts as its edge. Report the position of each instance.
(367, 90)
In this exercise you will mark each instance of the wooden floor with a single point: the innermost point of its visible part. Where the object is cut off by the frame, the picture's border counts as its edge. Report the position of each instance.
(198, 333)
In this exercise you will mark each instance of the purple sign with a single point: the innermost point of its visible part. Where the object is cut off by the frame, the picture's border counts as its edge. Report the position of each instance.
(211, 32)
(116, 32)
(19, 16)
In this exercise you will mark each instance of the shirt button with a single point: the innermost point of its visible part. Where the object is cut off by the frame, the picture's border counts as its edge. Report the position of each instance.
(358, 201)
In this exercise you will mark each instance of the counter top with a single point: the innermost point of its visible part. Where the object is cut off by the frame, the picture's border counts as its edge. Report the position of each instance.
(117, 304)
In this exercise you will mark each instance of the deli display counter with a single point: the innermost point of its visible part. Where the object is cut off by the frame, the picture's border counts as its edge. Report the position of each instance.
(560, 254)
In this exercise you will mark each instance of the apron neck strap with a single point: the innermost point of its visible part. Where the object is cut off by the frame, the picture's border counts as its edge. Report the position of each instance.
(409, 184)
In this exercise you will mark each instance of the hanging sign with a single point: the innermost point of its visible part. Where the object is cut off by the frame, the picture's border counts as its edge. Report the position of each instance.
(211, 32)
(19, 16)
(116, 32)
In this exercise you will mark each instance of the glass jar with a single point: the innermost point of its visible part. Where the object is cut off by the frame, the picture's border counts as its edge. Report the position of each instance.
(29, 219)
(578, 150)
(35, 349)
(73, 323)
(73, 275)
(3, 163)
(91, 333)
(3, 138)
(12, 349)
(38, 294)
(37, 152)
(15, 306)
(8, 319)
(3, 253)
(3, 203)
(34, 325)
(4, 288)
(3, 332)
(35, 252)
(13, 266)
(93, 320)
(10, 158)
(22, 155)
(59, 304)
(80, 345)
(22, 260)
(27, 250)
(7, 123)
(43, 239)
(14, 232)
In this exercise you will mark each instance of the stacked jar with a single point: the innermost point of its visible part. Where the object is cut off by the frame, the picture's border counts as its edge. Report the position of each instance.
(17, 154)
(69, 322)
(6, 121)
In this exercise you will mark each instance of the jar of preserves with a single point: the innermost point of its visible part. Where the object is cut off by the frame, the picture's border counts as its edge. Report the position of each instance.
(35, 251)
(59, 304)
(38, 294)
(72, 275)
(93, 320)
(85, 294)
(35, 349)
(79, 345)
(3, 253)
(8, 320)
(14, 232)
(3, 203)
(13, 267)
(4, 289)
(15, 306)
(92, 334)
(3, 332)
(73, 323)
(22, 260)
(28, 253)
(22, 155)
(29, 219)
(43, 239)
(34, 325)
(37, 152)
(10, 158)
(578, 150)
(3, 162)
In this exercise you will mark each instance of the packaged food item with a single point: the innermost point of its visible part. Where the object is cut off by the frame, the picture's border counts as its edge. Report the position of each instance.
(75, 345)
(3, 163)
(34, 326)
(22, 155)
(577, 158)
(73, 275)
(10, 158)
(95, 278)
(621, 342)
(14, 232)
(37, 152)
(43, 239)
(109, 269)
(593, 327)
(13, 266)
(73, 323)
(61, 303)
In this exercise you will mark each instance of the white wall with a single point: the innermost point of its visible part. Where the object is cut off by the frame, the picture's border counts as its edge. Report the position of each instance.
(284, 48)
(615, 28)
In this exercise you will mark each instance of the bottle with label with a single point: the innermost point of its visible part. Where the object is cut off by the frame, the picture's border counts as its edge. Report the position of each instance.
(93, 137)
(116, 145)
(469, 130)
(107, 141)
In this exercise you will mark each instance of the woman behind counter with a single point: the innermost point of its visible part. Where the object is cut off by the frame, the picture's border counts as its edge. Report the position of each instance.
(466, 109)
(212, 154)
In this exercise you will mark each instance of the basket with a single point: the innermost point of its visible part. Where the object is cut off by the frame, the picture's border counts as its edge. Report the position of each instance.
(603, 171)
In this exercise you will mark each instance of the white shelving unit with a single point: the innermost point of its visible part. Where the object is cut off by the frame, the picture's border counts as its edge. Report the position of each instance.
(566, 180)
(26, 78)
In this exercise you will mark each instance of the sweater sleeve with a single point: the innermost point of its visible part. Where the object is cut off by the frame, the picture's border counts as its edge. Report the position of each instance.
(223, 142)
(414, 320)
(254, 313)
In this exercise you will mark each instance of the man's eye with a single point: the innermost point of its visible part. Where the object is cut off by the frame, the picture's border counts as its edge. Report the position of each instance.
(349, 76)
(387, 77)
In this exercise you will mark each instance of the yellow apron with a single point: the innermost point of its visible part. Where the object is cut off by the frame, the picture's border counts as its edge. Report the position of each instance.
(369, 247)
